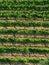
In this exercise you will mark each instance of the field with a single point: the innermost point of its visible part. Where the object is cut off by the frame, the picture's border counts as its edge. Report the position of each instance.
(24, 32)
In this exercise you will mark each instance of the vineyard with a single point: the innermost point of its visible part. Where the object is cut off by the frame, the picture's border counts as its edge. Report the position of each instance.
(24, 32)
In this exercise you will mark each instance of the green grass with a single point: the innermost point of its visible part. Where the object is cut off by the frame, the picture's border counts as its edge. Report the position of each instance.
(24, 40)
(27, 50)
(24, 14)
(21, 60)
(26, 24)
(24, 32)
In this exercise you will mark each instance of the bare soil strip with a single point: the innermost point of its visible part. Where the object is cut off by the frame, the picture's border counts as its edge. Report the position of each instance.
(25, 36)
(25, 28)
(25, 45)
(31, 55)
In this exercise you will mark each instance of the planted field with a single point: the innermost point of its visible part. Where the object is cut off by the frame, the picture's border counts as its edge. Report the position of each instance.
(24, 32)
